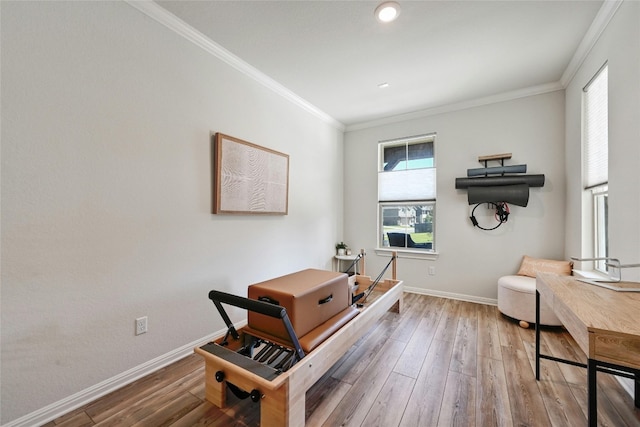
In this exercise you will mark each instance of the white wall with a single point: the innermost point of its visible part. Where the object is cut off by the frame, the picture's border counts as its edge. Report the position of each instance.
(470, 260)
(619, 45)
(106, 194)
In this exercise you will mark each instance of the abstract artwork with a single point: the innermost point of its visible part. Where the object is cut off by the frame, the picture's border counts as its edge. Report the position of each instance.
(248, 178)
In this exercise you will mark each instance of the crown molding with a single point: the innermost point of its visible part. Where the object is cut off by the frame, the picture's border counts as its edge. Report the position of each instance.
(169, 20)
(164, 17)
(600, 22)
(492, 99)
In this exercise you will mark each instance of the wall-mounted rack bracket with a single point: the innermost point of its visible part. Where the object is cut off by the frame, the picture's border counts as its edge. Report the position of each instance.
(494, 157)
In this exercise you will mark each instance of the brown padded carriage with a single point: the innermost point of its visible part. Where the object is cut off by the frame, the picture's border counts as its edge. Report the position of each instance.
(310, 297)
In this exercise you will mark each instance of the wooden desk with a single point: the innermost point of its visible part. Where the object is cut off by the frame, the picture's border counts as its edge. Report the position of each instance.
(603, 322)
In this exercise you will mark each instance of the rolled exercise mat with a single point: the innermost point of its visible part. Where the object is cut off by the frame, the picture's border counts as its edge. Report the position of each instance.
(491, 181)
(498, 170)
(512, 194)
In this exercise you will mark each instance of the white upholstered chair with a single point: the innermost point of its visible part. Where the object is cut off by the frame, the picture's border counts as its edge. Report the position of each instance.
(517, 293)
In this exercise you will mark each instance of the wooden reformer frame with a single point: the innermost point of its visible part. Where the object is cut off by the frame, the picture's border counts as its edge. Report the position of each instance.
(282, 395)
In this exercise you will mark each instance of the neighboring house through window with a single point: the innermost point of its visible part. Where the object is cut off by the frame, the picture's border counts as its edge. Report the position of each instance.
(595, 135)
(407, 193)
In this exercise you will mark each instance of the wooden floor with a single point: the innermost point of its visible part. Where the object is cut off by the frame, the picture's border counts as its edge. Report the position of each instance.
(440, 362)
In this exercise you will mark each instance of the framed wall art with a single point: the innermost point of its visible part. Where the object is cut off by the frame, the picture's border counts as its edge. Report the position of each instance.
(248, 178)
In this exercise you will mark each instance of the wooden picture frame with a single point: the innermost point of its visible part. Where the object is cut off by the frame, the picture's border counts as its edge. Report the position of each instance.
(248, 178)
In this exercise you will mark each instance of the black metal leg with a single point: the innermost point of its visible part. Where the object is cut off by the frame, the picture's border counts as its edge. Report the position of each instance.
(636, 391)
(592, 393)
(537, 335)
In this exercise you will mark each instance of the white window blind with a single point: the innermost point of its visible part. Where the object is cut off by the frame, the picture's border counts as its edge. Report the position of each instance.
(412, 184)
(406, 170)
(596, 130)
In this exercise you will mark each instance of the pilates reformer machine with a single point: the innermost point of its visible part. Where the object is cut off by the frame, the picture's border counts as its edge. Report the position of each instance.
(298, 326)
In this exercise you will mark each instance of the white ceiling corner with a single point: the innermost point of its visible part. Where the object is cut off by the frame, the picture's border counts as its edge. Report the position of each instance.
(328, 57)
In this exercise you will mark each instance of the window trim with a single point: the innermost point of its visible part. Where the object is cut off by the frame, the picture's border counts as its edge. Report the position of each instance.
(595, 165)
(596, 192)
(382, 205)
(406, 252)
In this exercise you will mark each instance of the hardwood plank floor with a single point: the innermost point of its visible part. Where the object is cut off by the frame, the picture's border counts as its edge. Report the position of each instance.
(438, 363)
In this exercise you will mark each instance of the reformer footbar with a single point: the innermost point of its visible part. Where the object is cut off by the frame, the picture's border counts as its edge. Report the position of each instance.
(272, 359)
(261, 307)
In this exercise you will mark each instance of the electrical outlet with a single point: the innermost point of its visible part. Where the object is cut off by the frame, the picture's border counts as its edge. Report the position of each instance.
(141, 325)
(432, 270)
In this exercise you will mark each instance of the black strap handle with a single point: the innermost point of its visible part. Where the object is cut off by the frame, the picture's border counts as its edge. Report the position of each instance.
(325, 300)
(269, 300)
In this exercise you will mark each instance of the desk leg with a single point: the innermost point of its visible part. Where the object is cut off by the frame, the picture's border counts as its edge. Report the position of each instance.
(537, 335)
(636, 392)
(592, 417)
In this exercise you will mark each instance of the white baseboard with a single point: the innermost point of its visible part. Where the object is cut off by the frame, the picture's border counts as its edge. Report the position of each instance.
(450, 295)
(88, 395)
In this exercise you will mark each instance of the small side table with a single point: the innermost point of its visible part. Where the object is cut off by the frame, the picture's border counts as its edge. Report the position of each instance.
(339, 259)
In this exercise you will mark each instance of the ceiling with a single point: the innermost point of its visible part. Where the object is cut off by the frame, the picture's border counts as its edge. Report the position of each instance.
(334, 54)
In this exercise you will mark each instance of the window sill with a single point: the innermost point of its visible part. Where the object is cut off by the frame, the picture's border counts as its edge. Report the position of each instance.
(408, 253)
(589, 274)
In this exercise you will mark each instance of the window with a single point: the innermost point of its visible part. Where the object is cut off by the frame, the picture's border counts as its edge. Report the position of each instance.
(407, 193)
(600, 229)
(596, 159)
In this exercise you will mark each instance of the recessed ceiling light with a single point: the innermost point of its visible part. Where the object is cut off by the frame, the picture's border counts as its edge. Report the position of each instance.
(383, 85)
(387, 11)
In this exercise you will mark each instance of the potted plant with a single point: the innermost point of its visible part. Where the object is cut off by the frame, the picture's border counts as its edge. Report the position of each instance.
(341, 248)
